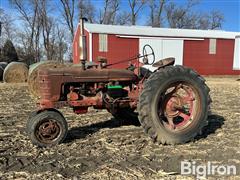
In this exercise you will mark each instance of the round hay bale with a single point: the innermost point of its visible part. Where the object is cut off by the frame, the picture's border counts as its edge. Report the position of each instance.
(15, 72)
(33, 81)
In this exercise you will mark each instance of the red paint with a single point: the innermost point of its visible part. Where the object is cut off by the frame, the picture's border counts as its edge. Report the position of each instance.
(76, 46)
(118, 49)
(196, 55)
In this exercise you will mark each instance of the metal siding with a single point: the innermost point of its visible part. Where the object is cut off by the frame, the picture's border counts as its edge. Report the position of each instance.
(118, 49)
(196, 55)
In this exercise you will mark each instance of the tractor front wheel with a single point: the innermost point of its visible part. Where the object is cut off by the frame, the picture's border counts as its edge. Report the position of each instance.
(47, 128)
(173, 106)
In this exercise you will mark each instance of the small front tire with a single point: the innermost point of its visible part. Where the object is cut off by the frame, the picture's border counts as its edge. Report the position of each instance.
(47, 128)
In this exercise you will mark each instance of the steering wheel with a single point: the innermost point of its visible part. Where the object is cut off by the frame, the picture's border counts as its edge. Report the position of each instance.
(148, 51)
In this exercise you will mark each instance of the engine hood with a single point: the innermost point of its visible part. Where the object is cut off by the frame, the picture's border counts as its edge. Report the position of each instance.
(76, 74)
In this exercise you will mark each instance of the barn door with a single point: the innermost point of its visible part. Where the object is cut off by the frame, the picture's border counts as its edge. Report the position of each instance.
(236, 60)
(164, 48)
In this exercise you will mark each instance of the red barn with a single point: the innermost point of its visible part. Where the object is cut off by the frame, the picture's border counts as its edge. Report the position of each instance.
(210, 52)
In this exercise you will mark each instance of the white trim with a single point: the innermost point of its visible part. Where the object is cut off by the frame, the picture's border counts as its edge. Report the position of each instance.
(236, 59)
(212, 46)
(90, 47)
(165, 38)
(158, 32)
(103, 42)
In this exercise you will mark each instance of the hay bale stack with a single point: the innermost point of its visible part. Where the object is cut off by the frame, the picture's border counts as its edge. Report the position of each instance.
(15, 72)
(33, 81)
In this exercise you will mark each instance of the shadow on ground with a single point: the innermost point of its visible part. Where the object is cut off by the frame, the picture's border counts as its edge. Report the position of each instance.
(214, 122)
(82, 132)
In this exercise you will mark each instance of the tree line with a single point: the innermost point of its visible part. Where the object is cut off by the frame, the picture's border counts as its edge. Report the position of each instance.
(44, 29)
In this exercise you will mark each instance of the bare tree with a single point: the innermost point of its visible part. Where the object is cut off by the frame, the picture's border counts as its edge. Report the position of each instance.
(61, 45)
(68, 14)
(28, 11)
(123, 18)
(47, 24)
(87, 10)
(156, 12)
(109, 12)
(7, 26)
(186, 17)
(181, 16)
(216, 20)
(135, 6)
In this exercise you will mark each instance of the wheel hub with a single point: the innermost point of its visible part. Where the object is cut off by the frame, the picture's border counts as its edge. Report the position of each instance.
(178, 106)
(173, 105)
(48, 131)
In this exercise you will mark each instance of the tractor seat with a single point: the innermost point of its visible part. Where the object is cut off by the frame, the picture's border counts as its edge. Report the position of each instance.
(164, 62)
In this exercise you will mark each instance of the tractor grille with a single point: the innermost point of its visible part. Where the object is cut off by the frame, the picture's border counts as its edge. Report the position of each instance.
(45, 87)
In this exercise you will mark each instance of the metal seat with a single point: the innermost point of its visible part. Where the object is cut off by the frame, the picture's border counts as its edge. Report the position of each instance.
(164, 62)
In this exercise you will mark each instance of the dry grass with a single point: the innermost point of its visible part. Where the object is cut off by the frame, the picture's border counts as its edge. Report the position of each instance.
(98, 147)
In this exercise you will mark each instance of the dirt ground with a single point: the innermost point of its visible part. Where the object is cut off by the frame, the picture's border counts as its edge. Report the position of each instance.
(99, 147)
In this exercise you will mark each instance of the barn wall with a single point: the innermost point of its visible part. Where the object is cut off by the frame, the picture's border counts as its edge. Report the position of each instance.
(76, 46)
(118, 49)
(196, 55)
(76, 51)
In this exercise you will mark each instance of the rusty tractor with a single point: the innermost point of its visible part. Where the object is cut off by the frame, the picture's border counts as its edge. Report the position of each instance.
(171, 102)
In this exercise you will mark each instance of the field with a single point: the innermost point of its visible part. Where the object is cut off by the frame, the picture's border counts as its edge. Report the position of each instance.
(99, 147)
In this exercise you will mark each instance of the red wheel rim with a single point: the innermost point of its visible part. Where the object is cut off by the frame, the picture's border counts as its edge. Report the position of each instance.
(178, 106)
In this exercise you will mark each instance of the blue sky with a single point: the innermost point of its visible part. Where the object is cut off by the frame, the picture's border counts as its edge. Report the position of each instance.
(229, 8)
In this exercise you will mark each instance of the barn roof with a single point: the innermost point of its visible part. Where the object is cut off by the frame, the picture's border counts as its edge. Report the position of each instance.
(158, 32)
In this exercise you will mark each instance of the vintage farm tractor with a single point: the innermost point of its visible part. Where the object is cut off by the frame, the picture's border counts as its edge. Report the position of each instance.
(171, 103)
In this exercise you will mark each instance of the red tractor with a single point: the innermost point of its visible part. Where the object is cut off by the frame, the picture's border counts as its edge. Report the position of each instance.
(170, 103)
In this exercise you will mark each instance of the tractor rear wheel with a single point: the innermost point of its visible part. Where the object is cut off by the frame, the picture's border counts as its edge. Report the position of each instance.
(47, 128)
(173, 106)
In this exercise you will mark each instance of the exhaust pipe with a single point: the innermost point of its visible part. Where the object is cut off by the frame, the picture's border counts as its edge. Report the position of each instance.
(82, 44)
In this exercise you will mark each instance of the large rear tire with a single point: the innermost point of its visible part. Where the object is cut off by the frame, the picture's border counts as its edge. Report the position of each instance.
(47, 128)
(173, 106)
